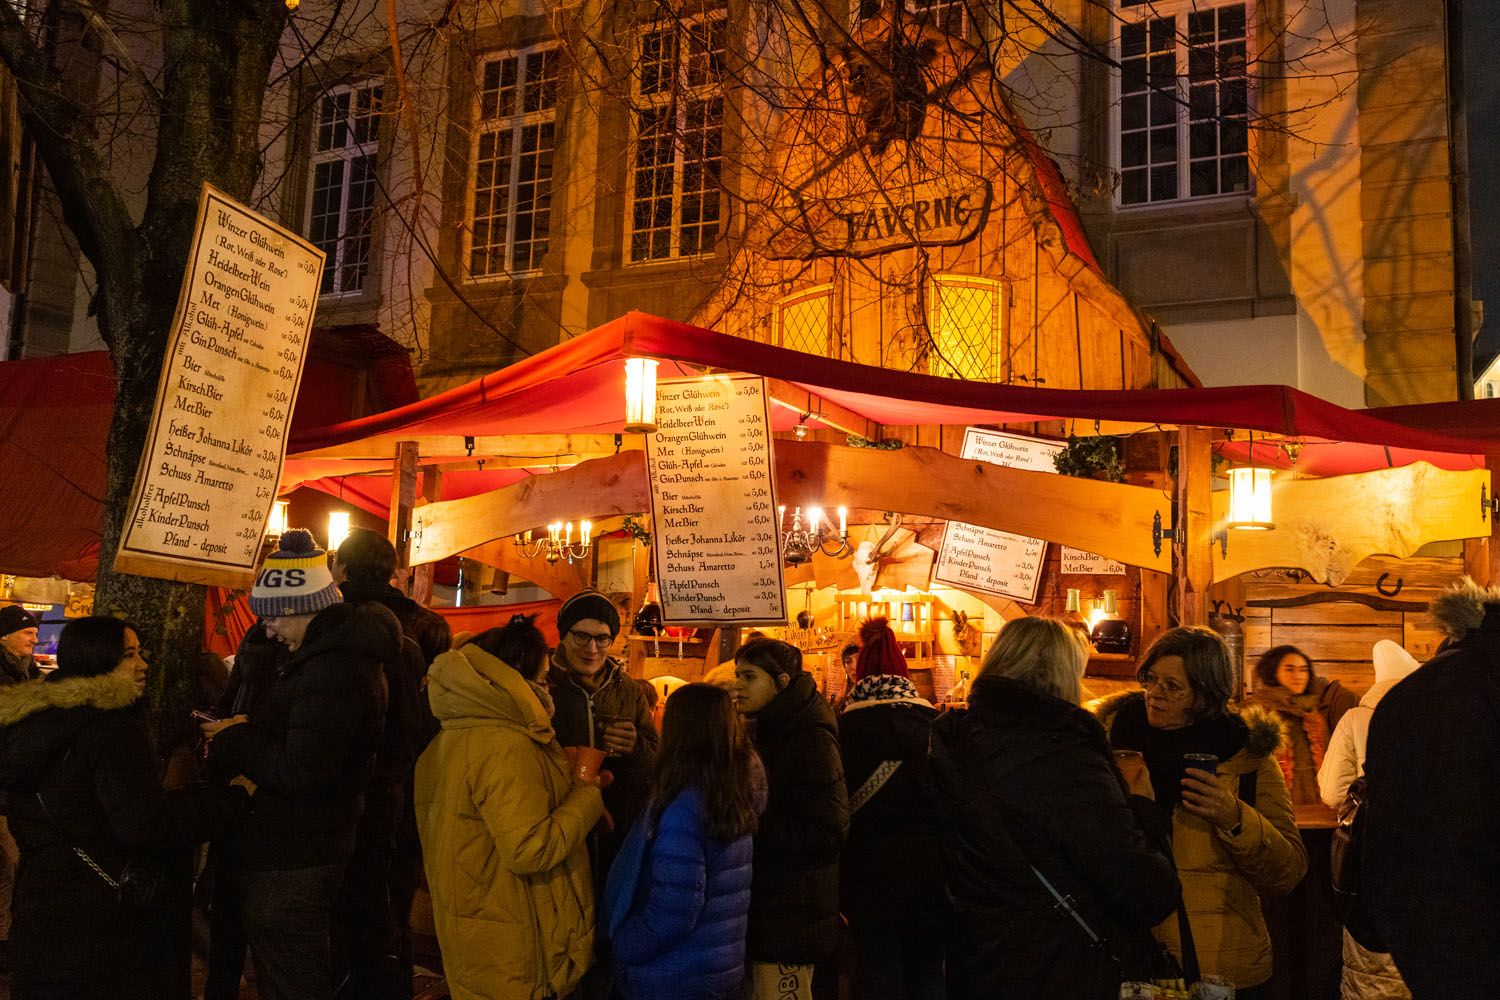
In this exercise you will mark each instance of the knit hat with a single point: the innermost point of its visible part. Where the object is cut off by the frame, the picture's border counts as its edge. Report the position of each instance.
(879, 652)
(294, 580)
(13, 618)
(588, 604)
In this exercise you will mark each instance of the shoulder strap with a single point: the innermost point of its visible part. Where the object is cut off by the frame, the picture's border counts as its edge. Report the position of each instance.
(874, 783)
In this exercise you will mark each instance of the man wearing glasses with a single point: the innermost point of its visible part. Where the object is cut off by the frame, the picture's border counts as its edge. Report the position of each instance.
(599, 705)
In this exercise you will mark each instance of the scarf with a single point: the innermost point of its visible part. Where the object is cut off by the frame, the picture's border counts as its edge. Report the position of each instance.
(543, 695)
(1222, 735)
(883, 687)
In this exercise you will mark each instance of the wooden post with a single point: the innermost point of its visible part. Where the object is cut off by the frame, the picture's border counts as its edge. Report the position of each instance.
(1482, 555)
(421, 578)
(1193, 554)
(403, 499)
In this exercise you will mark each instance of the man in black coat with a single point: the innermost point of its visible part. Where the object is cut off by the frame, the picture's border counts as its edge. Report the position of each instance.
(19, 631)
(310, 748)
(1430, 865)
(372, 938)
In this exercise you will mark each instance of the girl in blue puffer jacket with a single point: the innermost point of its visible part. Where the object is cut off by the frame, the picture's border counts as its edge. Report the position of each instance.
(678, 897)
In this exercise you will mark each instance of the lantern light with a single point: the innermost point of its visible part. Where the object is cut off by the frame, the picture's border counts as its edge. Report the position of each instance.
(1250, 499)
(276, 523)
(338, 528)
(640, 395)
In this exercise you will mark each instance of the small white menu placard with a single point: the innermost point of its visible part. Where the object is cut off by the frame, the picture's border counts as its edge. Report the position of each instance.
(713, 497)
(208, 474)
(1000, 562)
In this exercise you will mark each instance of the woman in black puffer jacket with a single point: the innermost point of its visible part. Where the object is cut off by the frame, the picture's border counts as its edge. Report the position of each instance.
(1028, 790)
(794, 893)
(891, 877)
(79, 774)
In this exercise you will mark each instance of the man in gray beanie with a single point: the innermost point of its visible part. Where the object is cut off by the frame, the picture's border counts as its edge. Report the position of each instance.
(599, 705)
(310, 748)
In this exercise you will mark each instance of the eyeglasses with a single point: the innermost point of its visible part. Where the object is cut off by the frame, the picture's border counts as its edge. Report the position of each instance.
(584, 639)
(1169, 687)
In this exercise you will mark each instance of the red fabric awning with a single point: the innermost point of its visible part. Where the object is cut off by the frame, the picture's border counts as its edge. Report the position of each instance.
(577, 387)
(54, 425)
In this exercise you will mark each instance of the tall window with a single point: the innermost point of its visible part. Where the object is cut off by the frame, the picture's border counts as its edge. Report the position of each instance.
(1184, 102)
(679, 140)
(804, 321)
(965, 327)
(347, 131)
(510, 211)
(949, 15)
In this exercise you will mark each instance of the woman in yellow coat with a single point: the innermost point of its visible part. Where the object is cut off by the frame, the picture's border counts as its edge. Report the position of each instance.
(504, 824)
(1233, 833)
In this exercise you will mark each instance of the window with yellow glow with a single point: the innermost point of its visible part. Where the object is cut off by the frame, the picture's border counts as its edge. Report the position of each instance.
(804, 321)
(965, 328)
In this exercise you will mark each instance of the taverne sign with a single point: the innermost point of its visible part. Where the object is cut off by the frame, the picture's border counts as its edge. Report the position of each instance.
(933, 213)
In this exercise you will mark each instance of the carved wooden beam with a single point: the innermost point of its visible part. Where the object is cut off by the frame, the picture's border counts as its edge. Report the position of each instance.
(1111, 519)
(560, 579)
(1328, 526)
(1378, 603)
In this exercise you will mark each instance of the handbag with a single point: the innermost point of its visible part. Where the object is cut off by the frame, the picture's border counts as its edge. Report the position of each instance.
(139, 886)
(874, 783)
(1344, 865)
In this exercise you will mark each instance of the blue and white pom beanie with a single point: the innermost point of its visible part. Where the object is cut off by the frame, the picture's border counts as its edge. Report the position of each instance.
(295, 579)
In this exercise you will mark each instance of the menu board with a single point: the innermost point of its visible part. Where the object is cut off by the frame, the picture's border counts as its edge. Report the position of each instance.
(999, 562)
(228, 386)
(713, 491)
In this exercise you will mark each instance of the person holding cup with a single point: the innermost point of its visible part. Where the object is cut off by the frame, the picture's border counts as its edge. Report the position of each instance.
(504, 816)
(1213, 771)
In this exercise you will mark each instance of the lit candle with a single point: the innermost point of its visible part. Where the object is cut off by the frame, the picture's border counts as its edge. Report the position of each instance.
(555, 530)
(843, 521)
(781, 516)
(588, 529)
(568, 535)
(814, 515)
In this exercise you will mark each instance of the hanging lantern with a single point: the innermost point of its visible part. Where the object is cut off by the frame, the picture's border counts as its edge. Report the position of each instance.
(276, 523)
(338, 528)
(640, 395)
(1250, 499)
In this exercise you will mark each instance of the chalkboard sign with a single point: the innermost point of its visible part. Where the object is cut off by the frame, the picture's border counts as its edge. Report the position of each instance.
(207, 478)
(713, 498)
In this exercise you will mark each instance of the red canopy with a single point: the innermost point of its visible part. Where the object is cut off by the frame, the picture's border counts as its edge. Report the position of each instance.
(54, 425)
(577, 388)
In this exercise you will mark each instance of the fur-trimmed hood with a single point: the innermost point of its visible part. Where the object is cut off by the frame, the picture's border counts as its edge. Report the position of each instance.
(1266, 733)
(1461, 609)
(40, 717)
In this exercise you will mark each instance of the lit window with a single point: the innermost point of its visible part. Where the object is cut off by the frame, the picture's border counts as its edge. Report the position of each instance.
(679, 140)
(345, 136)
(1183, 112)
(510, 179)
(966, 330)
(804, 321)
(949, 15)
(1489, 390)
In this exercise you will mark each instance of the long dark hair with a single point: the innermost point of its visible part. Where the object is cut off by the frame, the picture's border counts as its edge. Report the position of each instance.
(1265, 667)
(91, 646)
(519, 644)
(704, 746)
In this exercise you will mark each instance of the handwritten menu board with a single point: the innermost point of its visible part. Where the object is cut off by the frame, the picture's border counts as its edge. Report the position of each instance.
(1000, 562)
(713, 494)
(208, 475)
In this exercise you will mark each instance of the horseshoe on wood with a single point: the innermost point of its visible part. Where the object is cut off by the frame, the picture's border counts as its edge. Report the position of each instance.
(1380, 586)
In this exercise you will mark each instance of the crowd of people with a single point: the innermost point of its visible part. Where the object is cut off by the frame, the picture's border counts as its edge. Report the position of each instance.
(1021, 845)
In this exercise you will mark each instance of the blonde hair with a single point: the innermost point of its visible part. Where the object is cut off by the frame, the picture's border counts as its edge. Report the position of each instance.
(1045, 654)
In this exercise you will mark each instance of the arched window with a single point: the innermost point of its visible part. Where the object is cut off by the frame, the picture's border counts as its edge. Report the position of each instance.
(966, 327)
(804, 321)
(1489, 390)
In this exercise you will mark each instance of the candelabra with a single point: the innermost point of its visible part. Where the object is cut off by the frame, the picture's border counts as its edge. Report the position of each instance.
(812, 534)
(558, 542)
